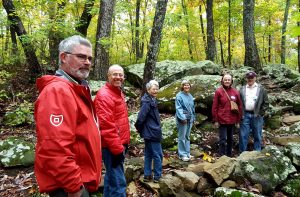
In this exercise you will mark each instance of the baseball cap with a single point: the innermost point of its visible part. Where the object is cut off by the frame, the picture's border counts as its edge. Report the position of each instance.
(250, 74)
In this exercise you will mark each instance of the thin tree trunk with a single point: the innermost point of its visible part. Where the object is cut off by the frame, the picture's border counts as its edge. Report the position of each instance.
(137, 31)
(143, 37)
(229, 33)
(13, 40)
(57, 15)
(202, 29)
(85, 18)
(222, 53)
(270, 42)
(298, 23)
(16, 23)
(211, 43)
(155, 38)
(102, 39)
(186, 18)
(132, 30)
(283, 37)
(251, 52)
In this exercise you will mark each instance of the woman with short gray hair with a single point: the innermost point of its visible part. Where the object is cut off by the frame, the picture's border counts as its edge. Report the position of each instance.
(149, 127)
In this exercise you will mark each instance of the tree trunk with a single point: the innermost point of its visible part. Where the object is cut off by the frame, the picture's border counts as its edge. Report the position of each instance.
(85, 18)
(222, 53)
(186, 21)
(298, 23)
(283, 38)
(270, 43)
(211, 43)
(202, 29)
(102, 39)
(251, 53)
(56, 15)
(137, 31)
(14, 42)
(143, 37)
(229, 33)
(16, 23)
(154, 44)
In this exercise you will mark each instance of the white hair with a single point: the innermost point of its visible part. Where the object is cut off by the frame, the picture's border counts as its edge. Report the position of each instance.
(151, 83)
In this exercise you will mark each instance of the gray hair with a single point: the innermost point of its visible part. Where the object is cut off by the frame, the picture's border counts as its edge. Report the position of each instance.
(151, 83)
(69, 43)
(185, 82)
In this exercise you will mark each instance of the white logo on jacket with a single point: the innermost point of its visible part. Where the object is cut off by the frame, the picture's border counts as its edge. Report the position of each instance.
(56, 120)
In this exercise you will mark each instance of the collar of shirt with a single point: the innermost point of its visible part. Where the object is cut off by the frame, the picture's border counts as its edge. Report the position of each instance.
(253, 86)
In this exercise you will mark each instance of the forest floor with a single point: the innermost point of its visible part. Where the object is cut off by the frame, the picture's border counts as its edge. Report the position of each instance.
(20, 181)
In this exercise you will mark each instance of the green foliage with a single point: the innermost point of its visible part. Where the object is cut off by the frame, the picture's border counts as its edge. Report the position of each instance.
(21, 114)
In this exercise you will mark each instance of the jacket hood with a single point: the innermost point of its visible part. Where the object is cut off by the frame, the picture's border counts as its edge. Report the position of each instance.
(47, 79)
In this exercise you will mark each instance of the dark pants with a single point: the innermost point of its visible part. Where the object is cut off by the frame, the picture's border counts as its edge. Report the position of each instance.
(226, 139)
(114, 180)
(153, 158)
(62, 193)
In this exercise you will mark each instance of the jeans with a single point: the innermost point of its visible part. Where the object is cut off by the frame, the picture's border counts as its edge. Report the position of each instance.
(153, 152)
(184, 131)
(114, 181)
(226, 139)
(254, 123)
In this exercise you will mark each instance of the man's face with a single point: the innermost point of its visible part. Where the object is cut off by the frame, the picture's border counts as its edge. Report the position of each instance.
(116, 76)
(251, 80)
(78, 62)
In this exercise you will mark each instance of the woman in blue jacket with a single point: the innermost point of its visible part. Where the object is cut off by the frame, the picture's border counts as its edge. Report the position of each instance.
(149, 127)
(185, 117)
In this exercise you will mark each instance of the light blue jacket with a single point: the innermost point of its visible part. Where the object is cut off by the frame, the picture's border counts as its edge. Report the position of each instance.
(185, 106)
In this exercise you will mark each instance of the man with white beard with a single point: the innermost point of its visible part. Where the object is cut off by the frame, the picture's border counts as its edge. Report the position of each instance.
(68, 149)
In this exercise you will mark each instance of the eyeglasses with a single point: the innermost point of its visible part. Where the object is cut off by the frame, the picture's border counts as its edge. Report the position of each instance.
(117, 75)
(81, 57)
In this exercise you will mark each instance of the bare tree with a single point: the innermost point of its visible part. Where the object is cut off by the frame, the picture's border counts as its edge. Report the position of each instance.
(251, 53)
(17, 25)
(155, 38)
(102, 39)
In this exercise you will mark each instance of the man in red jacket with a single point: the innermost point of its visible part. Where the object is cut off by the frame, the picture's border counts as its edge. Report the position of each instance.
(112, 112)
(68, 149)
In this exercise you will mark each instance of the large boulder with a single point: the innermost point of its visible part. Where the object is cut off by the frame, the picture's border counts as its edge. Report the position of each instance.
(221, 170)
(288, 99)
(292, 151)
(269, 168)
(292, 187)
(168, 71)
(16, 152)
(203, 89)
(226, 192)
(282, 75)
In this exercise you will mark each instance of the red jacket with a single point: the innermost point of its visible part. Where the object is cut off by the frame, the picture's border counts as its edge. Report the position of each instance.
(68, 150)
(112, 113)
(221, 108)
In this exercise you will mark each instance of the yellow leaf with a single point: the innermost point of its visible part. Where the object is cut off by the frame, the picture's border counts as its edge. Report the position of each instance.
(268, 154)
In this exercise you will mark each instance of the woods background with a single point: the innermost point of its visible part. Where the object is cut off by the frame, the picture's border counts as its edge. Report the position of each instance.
(221, 30)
